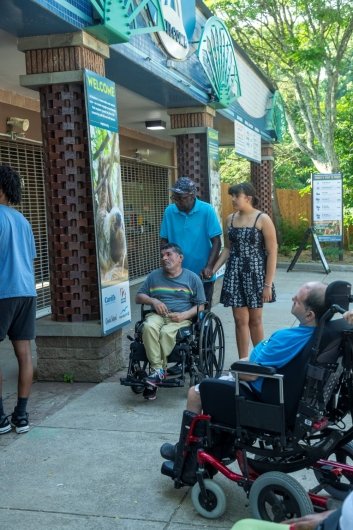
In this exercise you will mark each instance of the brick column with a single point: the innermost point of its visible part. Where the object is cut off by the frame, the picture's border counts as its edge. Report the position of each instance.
(262, 178)
(190, 126)
(54, 66)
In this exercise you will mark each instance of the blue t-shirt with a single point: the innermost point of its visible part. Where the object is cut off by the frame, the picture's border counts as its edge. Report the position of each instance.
(179, 294)
(17, 252)
(192, 231)
(280, 348)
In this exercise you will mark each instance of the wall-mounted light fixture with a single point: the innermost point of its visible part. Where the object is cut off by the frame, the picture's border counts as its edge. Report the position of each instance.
(155, 125)
(17, 127)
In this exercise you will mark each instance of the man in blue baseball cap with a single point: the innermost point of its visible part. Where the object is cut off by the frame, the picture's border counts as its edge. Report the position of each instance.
(184, 185)
(193, 225)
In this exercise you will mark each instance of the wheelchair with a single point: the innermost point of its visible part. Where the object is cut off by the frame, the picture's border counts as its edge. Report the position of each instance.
(199, 349)
(301, 422)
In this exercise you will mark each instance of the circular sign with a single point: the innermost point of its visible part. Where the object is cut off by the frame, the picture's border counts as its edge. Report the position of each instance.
(174, 40)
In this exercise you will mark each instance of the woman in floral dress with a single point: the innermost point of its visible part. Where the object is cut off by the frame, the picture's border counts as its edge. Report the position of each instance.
(250, 254)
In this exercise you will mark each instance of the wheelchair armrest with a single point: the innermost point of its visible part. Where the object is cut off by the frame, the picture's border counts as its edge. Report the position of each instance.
(246, 367)
(145, 309)
(253, 368)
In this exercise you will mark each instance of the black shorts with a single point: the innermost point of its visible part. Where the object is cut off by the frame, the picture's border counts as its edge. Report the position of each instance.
(18, 317)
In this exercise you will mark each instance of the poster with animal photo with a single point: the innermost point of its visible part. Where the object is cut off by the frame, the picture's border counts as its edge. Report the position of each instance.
(108, 203)
(214, 180)
(110, 228)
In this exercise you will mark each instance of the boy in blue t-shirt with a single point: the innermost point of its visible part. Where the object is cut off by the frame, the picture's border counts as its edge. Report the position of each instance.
(17, 294)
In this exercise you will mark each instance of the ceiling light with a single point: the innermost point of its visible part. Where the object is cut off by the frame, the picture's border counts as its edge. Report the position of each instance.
(17, 127)
(155, 125)
(21, 124)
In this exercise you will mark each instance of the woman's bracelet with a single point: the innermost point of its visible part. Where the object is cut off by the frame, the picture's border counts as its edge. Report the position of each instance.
(267, 285)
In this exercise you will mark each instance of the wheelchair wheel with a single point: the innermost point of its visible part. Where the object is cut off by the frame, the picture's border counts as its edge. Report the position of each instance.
(138, 373)
(275, 496)
(194, 379)
(196, 376)
(344, 455)
(214, 505)
(211, 346)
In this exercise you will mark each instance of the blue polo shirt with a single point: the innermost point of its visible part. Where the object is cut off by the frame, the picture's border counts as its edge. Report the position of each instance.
(192, 231)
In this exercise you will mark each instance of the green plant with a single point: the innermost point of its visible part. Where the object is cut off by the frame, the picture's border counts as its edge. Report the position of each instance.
(291, 236)
(331, 251)
(68, 378)
(285, 250)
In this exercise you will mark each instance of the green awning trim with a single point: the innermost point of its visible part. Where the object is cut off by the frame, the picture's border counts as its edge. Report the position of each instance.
(276, 123)
(217, 56)
(119, 20)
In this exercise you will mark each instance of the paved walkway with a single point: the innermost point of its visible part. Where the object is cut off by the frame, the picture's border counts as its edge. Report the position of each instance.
(91, 459)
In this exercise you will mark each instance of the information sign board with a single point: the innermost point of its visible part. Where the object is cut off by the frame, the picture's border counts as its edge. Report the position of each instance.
(247, 142)
(327, 208)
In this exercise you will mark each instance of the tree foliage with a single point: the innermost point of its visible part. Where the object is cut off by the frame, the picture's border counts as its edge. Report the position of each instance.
(233, 168)
(344, 146)
(303, 48)
(292, 169)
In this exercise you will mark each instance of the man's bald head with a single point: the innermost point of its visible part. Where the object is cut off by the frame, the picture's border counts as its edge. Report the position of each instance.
(309, 303)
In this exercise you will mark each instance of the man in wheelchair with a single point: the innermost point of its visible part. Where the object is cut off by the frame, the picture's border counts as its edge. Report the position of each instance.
(283, 345)
(278, 350)
(175, 295)
(272, 428)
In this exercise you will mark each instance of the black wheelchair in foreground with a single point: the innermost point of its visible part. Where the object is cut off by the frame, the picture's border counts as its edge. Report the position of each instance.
(199, 350)
(301, 422)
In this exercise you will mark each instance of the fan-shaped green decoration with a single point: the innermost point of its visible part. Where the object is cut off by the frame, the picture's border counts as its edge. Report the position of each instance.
(216, 54)
(276, 122)
(119, 20)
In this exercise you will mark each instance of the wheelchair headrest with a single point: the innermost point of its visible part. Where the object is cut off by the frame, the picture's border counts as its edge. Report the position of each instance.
(338, 293)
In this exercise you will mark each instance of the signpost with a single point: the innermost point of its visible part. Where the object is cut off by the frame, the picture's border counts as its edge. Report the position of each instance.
(247, 142)
(108, 202)
(316, 244)
(327, 216)
(214, 180)
(327, 208)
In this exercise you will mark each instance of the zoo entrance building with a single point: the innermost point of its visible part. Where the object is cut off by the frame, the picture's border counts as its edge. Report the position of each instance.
(179, 88)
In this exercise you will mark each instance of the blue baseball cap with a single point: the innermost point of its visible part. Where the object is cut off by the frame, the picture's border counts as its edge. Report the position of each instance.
(184, 185)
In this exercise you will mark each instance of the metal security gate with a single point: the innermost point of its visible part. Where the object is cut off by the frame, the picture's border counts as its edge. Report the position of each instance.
(27, 160)
(145, 192)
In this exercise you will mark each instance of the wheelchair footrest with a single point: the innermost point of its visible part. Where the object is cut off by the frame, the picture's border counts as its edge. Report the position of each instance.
(172, 382)
(168, 383)
(168, 469)
(129, 381)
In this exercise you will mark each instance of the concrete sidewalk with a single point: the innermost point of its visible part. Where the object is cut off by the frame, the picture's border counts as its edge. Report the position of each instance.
(91, 458)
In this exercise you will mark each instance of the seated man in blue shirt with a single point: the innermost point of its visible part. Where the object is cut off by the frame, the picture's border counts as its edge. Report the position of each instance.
(283, 345)
(277, 351)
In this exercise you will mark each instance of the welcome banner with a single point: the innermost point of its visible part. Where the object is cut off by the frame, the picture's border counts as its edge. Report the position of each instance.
(108, 201)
